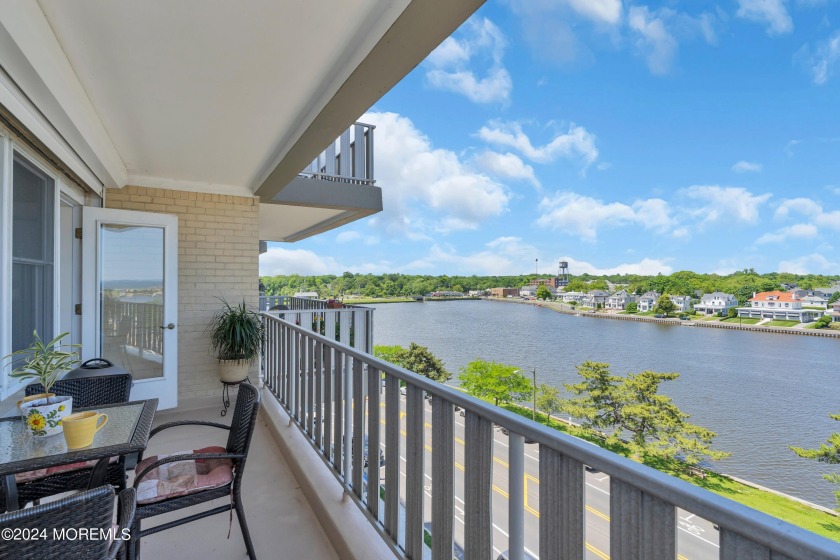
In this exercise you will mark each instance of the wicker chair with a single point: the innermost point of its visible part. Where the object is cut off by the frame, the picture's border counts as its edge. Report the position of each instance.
(92, 509)
(86, 391)
(236, 452)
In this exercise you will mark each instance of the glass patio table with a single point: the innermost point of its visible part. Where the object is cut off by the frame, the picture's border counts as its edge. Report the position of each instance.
(126, 433)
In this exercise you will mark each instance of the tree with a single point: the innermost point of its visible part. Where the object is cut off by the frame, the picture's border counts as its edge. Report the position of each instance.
(491, 380)
(548, 399)
(416, 358)
(632, 307)
(633, 406)
(732, 313)
(828, 453)
(420, 360)
(834, 297)
(665, 305)
(543, 292)
(823, 322)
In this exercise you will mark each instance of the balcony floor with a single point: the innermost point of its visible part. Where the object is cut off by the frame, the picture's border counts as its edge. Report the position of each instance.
(280, 519)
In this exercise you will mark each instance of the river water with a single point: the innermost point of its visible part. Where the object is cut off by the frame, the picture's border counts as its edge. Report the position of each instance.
(760, 392)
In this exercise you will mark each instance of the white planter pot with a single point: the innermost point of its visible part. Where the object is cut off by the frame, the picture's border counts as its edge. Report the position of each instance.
(43, 416)
(233, 371)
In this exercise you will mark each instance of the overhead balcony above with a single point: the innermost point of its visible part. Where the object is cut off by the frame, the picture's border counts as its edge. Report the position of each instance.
(336, 188)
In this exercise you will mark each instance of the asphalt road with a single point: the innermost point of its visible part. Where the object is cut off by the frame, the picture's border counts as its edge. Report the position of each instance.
(697, 539)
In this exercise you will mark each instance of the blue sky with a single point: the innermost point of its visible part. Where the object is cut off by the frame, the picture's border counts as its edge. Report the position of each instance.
(621, 137)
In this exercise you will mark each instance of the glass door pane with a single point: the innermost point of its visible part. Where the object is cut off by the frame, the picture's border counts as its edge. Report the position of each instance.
(131, 297)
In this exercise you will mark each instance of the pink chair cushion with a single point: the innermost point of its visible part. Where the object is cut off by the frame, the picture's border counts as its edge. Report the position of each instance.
(29, 476)
(184, 477)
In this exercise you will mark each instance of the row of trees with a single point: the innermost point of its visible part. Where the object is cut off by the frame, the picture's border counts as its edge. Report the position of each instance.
(742, 283)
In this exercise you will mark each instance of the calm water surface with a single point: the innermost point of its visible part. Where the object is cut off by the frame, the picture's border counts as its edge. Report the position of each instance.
(760, 392)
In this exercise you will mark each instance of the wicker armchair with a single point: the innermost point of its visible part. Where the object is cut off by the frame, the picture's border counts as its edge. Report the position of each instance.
(86, 392)
(93, 509)
(233, 455)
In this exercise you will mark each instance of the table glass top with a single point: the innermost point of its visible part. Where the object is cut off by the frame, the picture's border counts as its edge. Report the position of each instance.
(17, 444)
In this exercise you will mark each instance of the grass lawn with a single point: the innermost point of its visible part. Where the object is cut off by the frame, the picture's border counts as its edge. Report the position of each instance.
(780, 323)
(742, 321)
(645, 313)
(786, 509)
(810, 326)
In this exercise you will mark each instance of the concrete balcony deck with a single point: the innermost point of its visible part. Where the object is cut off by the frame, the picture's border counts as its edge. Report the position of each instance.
(281, 521)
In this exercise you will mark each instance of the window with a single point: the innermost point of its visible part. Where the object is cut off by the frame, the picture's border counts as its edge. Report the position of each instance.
(33, 253)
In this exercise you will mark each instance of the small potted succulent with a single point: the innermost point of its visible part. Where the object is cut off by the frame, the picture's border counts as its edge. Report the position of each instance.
(236, 336)
(45, 362)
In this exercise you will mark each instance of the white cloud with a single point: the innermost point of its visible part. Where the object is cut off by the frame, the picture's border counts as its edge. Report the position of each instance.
(724, 203)
(451, 65)
(799, 231)
(583, 215)
(350, 236)
(599, 11)
(747, 166)
(645, 267)
(809, 264)
(425, 188)
(812, 210)
(770, 12)
(296, 261)
(655, 39)
(822, 61)
(507, 165)
(576, 143)
(504, 255)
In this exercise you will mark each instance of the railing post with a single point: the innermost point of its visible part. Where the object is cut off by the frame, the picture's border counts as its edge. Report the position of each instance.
(348, 419)
(478, 482)
(641, 525)
(414, 427)
(442, 477)
(516, 496)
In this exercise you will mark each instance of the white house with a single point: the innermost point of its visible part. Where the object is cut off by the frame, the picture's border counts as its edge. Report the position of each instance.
(619, 300)
(778, 305)
(815, 301)
(528, 291)
(836, 315)
(595, 298)
(682, 303)
(716, 302)
(307, 295)
(576, 297)
(647, 301)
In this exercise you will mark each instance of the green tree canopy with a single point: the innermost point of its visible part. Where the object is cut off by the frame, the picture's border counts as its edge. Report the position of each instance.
(543, 292)
(632, 307)
(632, 405)
(665, 305)
(416, 358)
(491, 380)
(829, 453)
(548, 399)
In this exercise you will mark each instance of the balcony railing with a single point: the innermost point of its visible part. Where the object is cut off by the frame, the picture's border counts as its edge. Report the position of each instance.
(349, 324)
(349, 159)
(334, 394)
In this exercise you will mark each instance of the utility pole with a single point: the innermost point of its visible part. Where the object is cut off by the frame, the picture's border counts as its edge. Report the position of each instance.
(534, 409)
(537, 266)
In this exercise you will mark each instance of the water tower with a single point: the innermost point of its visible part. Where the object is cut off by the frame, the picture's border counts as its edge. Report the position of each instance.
(563, 274)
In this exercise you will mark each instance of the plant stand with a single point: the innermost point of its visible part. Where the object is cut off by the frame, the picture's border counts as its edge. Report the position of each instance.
(226, 392)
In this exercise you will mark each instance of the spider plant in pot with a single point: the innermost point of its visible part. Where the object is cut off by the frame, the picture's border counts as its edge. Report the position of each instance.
(236, 336)
(44, 363)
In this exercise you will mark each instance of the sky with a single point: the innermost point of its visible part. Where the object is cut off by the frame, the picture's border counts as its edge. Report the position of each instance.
(621, 137)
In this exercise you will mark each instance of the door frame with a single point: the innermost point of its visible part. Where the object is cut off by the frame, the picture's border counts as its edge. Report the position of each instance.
(165, 388)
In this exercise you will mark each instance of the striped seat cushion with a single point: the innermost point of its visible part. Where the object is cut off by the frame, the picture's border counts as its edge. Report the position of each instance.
(29, 476)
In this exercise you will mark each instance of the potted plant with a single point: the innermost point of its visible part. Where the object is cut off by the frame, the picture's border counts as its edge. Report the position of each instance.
(236, 336)
(45, 363)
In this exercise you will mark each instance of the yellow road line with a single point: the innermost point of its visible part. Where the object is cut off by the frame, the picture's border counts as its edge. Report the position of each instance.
(600, 514)
(597, 552)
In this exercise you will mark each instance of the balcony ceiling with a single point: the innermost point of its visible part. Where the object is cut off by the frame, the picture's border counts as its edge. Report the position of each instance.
(211, 92)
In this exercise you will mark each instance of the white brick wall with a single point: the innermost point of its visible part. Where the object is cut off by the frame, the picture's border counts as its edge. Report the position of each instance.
(218, 257)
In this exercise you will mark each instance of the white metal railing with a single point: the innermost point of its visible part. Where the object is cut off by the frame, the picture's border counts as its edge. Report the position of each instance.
(335, 395)
(349, 324)
(348, 159)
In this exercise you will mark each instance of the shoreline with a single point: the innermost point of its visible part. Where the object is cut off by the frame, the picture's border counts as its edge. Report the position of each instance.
(552, 306)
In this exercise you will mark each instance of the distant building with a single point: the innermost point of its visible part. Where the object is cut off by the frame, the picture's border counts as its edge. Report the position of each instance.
(836, 316)
(815, 301)
(569, 297)
(553, 282)
(716, 302)
(682, 303)
(504, 292)
(828, 291)
(647, 301)
(778, 305)
(528, 291)
(619, 300)
(307, 295)
(595, 298)
(477, 293)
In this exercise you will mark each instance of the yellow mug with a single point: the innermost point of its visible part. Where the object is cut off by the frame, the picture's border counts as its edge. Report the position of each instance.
(79, 428)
